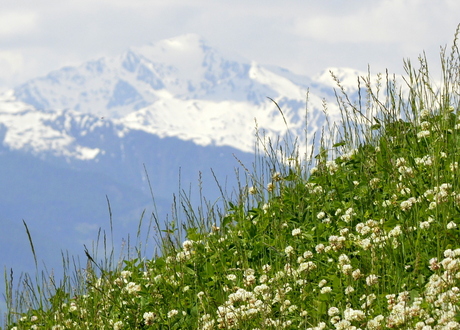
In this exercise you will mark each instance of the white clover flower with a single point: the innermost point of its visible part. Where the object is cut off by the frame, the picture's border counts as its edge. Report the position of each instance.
(310, 185)
(396, 231)
(336, 243)
(372, 280)
(349, 154)
(345, 217)
(118, 325)
(296, 232)
(183, 255)
(322, 283)
(149, 317)
(427, 160)
(451, 225)
(400, 162)
(362, 229)
(376, 323)
(249, 271)
(343, 259)
(319, 248)
(424, 113)
(425, 125)
(333, 311)
(276, 176)
(356, 274)
(321, 215)
(434, 264)
(249, 280)
(318, 190)
(346, 269)
(265, 207)
(73, 307)
(446, 186)
(125, 274)
(307, 254)
(344, 231)
(252, 190)
(313, 170)
(424, 225)
(386, 203)
(231, 277)
(432, 205)
(292, 308)
(332, 166)
(326, 289)
(133, 288)
(350, 211)
(187, 245)
(405, 191)
(365, 243)
(270, 186)
(306, 266)
(172, 313)
(263, 278)
(289, 250)
(406, 170)
(266, 268)
(261, 289)
(349, 289)
(353, 314)
(406, 205)
(423, 134)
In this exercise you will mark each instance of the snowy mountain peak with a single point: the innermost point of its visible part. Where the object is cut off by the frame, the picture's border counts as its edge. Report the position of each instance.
(183, 87)
(113, 87)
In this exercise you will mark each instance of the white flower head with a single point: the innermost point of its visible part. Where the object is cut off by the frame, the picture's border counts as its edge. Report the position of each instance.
(296, 232)
(289, 250)
(372, 280)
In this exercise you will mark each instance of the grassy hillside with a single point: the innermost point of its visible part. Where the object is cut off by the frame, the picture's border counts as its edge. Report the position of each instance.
(363, 235)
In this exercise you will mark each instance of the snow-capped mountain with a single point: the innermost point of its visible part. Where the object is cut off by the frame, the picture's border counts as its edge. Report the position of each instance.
(182, 87)
(176, 108)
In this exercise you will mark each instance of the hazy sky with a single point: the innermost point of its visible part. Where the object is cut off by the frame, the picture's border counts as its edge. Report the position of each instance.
(305, 36)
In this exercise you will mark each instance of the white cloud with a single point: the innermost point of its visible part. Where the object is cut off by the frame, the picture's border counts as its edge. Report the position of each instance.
(11, 61)
(303, 35)
(14, 23)
(386, 21)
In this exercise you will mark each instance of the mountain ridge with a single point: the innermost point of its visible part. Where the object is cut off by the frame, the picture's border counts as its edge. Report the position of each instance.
(153, 87)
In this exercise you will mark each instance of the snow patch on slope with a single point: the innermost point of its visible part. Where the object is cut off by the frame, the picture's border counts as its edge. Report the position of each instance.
(29, 129)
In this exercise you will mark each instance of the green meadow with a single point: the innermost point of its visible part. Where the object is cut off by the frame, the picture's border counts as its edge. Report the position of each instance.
(360, 232)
